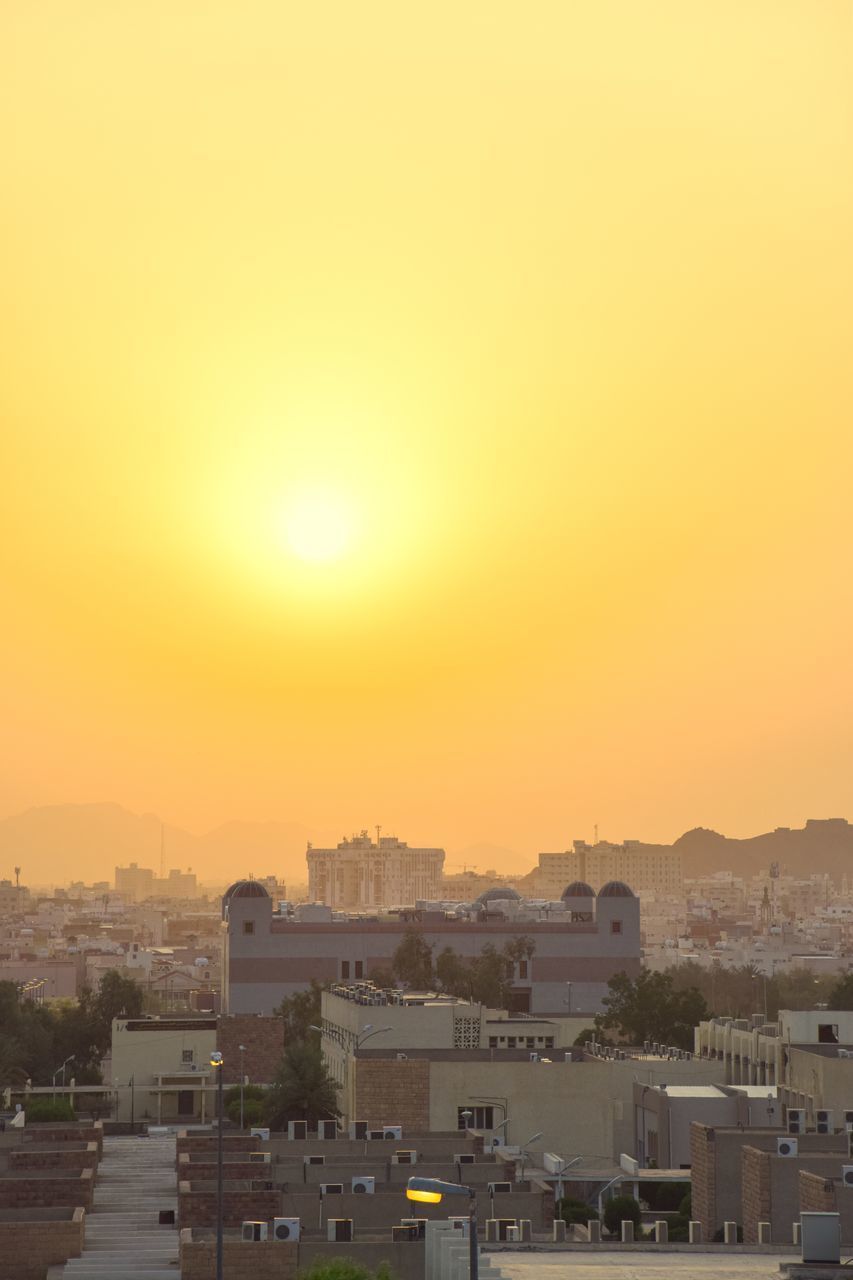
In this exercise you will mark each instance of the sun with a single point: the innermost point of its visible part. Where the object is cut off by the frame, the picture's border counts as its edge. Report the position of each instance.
(318, 527)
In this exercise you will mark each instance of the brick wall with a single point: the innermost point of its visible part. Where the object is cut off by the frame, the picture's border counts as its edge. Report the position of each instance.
(46, 1135)
(703, 1167)
(264, 1040)
(198, 1208)
(48, 1192)
(233, 1170)
(755, 1184)
(271, 1260)
(393, 1092)
(27, 1249)
(65, 1157)
(204, 1145)
(817, 1194)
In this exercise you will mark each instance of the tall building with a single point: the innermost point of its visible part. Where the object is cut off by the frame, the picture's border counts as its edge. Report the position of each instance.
(645, 867)
(576, 945)
(365, 874)
(137, 884)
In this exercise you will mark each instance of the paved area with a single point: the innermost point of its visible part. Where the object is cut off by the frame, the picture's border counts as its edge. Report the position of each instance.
(636, 1266)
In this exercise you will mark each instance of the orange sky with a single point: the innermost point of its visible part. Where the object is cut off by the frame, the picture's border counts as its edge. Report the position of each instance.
(544, 309)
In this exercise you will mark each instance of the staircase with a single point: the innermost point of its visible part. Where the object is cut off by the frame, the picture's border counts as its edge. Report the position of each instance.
(124, 1240)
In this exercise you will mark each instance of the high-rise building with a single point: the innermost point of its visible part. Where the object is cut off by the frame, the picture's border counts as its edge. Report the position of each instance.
(644, 866)
(365, 874)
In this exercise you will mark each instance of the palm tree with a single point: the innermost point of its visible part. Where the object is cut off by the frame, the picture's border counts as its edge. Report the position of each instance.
(302, 1089)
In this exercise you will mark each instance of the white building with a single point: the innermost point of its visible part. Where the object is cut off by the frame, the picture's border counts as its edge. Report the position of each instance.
(362, 873)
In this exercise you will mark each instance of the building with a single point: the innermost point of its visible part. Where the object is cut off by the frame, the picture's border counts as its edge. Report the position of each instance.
(160, 1067)
(14, 898)
(363, 874)
(136, 884)
(644, 867)
(665, 1112)
(578, 943)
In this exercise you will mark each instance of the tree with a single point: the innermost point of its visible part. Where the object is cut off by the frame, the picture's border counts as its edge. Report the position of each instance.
(302, 1089)
(620, 1209)
(841, 995)
(300, 1012)
(649, 1008)
(486, 978)
(412, 961)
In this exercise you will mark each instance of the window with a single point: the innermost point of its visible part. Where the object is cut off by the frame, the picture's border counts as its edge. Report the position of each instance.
(522, 968)
(187, 1057)
(827, 1033)
(510, 1042)
(359, 968)
(615, 926)
(549, 1042)
(248, 926)
(345, 968)
(480, 1118)
(493, 1042)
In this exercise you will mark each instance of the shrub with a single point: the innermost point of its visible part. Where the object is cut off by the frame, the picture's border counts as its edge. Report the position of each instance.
(253, 1112)
(621, 1208)
(572, 1211)
(48, 1109)
(345, 1269)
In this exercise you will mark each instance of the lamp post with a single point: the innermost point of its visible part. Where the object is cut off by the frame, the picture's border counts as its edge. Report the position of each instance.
(242, 1049)
(522, 1151)
(132, 1082)
(216, 1063)
(432, 1191)
(70, 1058)
(564, 1165)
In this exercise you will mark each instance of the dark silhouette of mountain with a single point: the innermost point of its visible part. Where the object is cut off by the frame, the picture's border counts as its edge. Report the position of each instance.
(822, 846)
(58, 843)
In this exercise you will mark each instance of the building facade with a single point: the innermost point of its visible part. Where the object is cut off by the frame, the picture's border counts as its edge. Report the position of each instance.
(644, 867)
(365, 874)
(578, 944)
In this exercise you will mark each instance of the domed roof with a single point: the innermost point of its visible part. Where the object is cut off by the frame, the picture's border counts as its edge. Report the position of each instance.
(243, 889)
(615, 889)
(578, 889)
(498, 895)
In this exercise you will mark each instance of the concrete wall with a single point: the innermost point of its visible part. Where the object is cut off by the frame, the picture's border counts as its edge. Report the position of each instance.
(36, 1240)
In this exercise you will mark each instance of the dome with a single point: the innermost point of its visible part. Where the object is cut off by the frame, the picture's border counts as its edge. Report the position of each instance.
(497, 895)
(578, 889)
(243, 889)
(615, 889)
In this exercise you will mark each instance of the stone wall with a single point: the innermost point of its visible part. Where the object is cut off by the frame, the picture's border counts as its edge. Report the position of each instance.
(263, 1037)
(392, 1092)
(703, 1165)
(205, 1144)
(48, 1192)
(50, 1135)
(28, 1248)
(64, 1157)
(198, 1208)
(755, 1185)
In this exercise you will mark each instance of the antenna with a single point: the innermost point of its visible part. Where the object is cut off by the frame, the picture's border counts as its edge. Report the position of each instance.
(162, 850)
(378, 829)
(595, 838)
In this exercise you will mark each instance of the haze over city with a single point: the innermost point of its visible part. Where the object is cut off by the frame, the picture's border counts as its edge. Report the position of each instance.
(436, 422)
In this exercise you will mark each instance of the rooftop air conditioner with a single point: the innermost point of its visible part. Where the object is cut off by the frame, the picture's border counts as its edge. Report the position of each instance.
(339, 1230)
(418, 1223)
(796, 1120)
(823, 1121)
(392, 1131)
(363, 1186)
(331, 1188)
(375, 1133)
(297, 1130)
(847, 1175)
(497, 1140)
(260, 1157)
(404, 1157)
(503, 1227)
(404, 1233)
(358, 1130)
(464, 1157)
(254, 1231)
(313, 1159)
(263, 1135)
(499, 1188)
(286, 1229)
(787, 1146)
(327, 1129)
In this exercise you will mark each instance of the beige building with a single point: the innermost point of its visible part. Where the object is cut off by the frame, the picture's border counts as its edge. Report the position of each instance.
(361, 873)
(160, 1068)
(136, 884)
(644, 867)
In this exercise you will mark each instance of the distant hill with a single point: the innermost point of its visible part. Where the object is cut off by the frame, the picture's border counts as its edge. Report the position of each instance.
(58, 843)
(822, 846)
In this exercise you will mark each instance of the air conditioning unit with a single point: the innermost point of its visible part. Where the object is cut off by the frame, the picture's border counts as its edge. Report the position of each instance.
(286, 1229)
(503, 1227)
(392, 1131)
(313, 1159)
(297, 1130)
(363, 1186)
(534, 1057)
(464, 1157)
(847, 1175)
(254, 1231)
(497, 1140)
(376, 1133)
(787, 1146)
(419, 1225)
(823, 1121)
(263, 1135)
(404, 1157)
(796, 1120)
(358, 1130)
(499, 1188)
(327, 1129)
(402, 1057)
(331, 1188)
(339, 1230)
(260, 1157)
(404, 1234)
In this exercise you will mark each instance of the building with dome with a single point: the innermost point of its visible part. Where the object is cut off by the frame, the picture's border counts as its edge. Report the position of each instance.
(647, 868)
(578, 941)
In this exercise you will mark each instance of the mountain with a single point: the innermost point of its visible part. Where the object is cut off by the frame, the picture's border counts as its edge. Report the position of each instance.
(58, 843)
(822, 846)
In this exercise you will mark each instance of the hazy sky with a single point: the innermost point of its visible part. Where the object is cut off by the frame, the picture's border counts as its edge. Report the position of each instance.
(534, 320)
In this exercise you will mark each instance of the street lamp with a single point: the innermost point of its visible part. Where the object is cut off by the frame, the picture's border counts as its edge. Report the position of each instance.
(522, 1151)
(432, 1191)
(568, 997)
(466, 1116)
(564, 1165)
(216, 1064)
(70, 1058)
(368, 1031)
(242, 1049)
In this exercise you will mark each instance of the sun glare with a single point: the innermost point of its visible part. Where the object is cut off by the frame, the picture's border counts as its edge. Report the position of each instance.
(318, 527)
